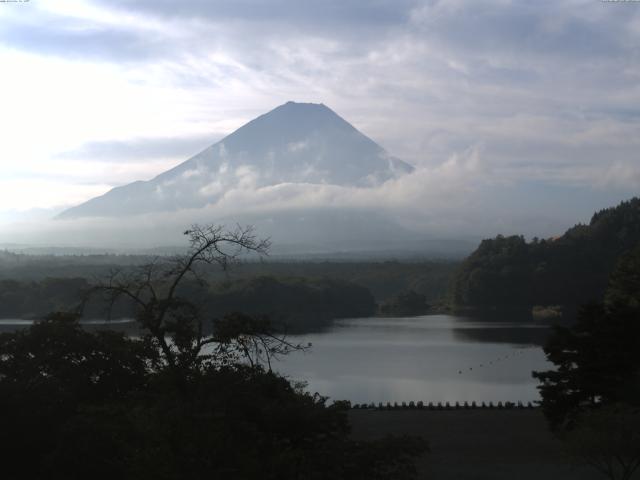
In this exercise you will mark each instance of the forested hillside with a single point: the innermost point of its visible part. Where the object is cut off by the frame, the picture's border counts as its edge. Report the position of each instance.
(298, 304)
(295, 303)
(569, 270)
(384, 279)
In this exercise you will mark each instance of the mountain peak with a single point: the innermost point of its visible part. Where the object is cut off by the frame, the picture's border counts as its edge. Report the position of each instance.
(293, 143)
(304, 107)
(302, 104)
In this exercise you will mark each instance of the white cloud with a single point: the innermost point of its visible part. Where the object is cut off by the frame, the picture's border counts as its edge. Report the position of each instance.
(481, 96)
(212, 189)
(187, 174)
(298, 146)
(23, 195)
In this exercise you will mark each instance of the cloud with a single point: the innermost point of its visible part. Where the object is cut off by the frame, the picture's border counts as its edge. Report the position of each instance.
(385, 208)
(297, 146)
(626, 175)
(448, 201)
(44, 193)
(289, 13)
(80, 30)
(142, 148)
(486, 98)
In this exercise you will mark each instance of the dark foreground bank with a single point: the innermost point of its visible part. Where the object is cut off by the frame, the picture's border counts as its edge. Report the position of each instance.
(476, 444)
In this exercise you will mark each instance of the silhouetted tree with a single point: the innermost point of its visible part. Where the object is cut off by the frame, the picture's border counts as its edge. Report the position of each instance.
(48, 374)
(623, 292)
(597, 360)
(592, 398)
(189, 398)
(172, 322)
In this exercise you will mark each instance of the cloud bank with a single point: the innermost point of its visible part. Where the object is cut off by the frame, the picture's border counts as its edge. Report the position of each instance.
(544, 96)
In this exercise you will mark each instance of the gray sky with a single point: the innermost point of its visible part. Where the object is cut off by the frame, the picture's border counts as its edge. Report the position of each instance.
(524, 113)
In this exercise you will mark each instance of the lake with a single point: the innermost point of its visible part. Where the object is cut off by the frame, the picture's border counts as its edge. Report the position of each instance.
(434, 358)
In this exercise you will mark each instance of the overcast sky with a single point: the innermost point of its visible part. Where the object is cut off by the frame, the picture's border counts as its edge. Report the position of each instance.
(534, 106)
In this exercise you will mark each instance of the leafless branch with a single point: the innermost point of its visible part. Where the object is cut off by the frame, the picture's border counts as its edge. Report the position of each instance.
(174, 324)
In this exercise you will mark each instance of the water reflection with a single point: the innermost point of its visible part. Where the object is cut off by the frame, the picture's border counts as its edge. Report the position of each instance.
(502, 327)
(534, 335)
(430, 358)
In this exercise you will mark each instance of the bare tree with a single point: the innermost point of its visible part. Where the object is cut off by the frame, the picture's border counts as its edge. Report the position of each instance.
(251, 338)
(176, 325)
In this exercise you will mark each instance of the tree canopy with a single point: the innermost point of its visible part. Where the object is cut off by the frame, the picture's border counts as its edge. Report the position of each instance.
(179, 400)
(597, 359)
(572, 269)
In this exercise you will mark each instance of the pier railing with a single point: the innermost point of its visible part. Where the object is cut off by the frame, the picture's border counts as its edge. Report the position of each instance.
(443, 406)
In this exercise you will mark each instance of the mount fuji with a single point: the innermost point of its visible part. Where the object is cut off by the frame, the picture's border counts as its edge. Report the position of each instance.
(294, 143)
(300, 174)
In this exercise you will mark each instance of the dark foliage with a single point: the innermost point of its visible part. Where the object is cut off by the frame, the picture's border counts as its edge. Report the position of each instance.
(569, 270)
(383, 279)
(405, 304)
(598, 359)
(98, 405)
(296, 304)
(299, 304)
(182, 401)
(607, 439)
(21, 299)
(49, 374)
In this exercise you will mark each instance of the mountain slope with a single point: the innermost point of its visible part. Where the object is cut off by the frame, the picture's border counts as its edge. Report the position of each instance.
(294, 143)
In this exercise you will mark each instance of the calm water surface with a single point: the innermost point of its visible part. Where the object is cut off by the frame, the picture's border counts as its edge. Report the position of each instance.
(434, 358)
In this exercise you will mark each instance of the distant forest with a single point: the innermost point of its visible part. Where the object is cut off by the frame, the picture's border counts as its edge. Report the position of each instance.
(569, 270)
(301, 295)
(502, 273)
